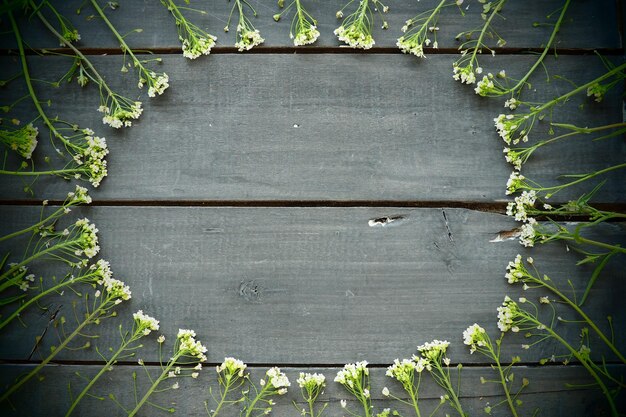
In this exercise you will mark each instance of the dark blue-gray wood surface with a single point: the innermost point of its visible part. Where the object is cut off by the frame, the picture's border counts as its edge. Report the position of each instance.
(271, 272)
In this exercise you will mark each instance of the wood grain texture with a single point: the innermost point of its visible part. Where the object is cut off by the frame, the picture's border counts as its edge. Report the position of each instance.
(318, 285)
(324, 127)
(546, 391)
(589, 24)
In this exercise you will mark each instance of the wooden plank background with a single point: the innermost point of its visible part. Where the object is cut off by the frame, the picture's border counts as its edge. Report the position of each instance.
(239, 204)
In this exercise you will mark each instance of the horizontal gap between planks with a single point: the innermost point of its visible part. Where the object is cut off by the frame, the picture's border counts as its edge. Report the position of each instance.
(317, 50)
(488, 207)
(287, 365)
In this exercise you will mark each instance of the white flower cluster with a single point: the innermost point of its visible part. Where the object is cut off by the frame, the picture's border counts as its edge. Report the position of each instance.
(311, 381)
(528, 233)
(520, 206)
(506, 314)
(232, 366)
(278, 380)
(355, 36)
(188, 345)
(196, 46)
(352, 373)
(101, 269)
(412, 45)
(115, 289)
(23, 140)
(145, 323)
(79, 196)
(120, 114)
(513, 157)
(474, 337)
(435, 350)
(26, 281)
(93, 157)
(87, 238)
(247, 38)
(158, 83)
(486, 86)
(515, 270)
(306, 35)
(507, 126)
(465, 74)
(515, 182)
(404, 370)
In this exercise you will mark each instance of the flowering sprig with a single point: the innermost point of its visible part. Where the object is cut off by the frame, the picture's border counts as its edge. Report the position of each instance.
(355, 378)
(143, 325)
(86, 151)
(195, 40)
(118, 110)
(311, 386)
(187, 350)
(518, 182)
(230, 376)
(514, 128)
(68, 32)
(405, 372)
(356, 29)
(109, 293)
(303, 28)
(417, 29)
(479, 341)
(73, 245)
(512, 317)
(518, 272)
(247, 36)
(489, 86)
(467, 67)
(22, 140)
(274, 383)
(157, 82)
(435, 355)
(92, 275)
(518, 156)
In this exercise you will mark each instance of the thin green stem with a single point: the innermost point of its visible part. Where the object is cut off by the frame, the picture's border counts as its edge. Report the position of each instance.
(37, 173)
(42, 294)
(250, 408)
(155, 384)
(487, 24)
(582, 314)
(577, 90)
(27, 78)
(584, 178)
(221, 403)
(503, 382)
(580, 239)
(556, 29)
(33, 227)
(448, 387)
(584, 362)
(31, 258)
(120, 38)
(93, 316)
(104, 369)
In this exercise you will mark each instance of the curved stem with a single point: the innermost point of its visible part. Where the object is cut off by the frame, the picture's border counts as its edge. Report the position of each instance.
(41, 295)
(556, 29)
(58, 349)
(584, 178)
(156, 383)
(591, 371)
(104, 369)
(485, 26)
(31, 258)
(33, 227)
(221, 403)
(27, 78)
(584, 316)
(36, 173)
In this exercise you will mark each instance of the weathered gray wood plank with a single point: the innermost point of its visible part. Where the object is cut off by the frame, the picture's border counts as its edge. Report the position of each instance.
(318, 285)
(589, 24)
(546, 391)
(324, 127)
